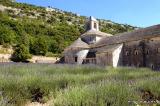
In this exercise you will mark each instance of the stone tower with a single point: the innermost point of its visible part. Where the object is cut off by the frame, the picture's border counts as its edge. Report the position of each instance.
(92, 24)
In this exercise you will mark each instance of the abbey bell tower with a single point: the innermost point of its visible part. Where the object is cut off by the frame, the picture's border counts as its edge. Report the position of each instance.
(92, 34)
(92, 24)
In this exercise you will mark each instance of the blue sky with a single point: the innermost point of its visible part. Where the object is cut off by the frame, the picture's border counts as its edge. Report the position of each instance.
(140, 13)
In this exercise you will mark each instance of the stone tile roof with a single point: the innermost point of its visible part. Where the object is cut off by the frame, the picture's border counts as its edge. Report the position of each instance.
(109, 48)
(77, 44)
(94, 32)
(139, 34)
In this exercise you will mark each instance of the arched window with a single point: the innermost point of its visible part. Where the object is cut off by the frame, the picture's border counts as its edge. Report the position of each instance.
(127, 53)
(88, 27)
(147, 51)
(152, 66)
(90, 38)
(76, 59)
(158, 50)
(95, 25)
(136, 52)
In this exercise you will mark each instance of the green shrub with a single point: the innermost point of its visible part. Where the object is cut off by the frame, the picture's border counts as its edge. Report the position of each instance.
(21, 54)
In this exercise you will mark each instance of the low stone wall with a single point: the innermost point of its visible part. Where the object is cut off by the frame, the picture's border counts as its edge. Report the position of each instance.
(43, 59)
(5, 57)
(35, 59)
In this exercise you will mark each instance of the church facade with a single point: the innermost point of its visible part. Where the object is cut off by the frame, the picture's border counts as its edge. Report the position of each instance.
(138, 48)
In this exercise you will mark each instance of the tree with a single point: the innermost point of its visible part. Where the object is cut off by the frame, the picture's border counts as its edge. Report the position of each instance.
(21, 53)
(6, 35)
(39, 46)
(25, 39)
(54, 46)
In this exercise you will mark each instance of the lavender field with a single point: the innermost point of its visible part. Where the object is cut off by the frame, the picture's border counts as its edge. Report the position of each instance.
(68, 85)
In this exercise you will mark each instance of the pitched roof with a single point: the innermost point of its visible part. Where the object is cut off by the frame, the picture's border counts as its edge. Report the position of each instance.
(94, 32)
(139, 34)
(78, 44)
(109, 48)
(91, 18)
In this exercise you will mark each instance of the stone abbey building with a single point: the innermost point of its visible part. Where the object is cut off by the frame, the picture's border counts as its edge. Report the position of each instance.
(138, 48)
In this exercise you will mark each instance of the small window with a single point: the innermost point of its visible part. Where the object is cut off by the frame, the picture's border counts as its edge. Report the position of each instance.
(136, 52)
(88, 27)
(90, 38)
(127, 53)
(94, 39)
(147, 51)
(158, 50)
(76, 58)
(152, 66)
(95, 25)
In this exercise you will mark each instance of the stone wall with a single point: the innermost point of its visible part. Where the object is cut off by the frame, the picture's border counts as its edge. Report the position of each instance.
(69, 58)
(81, 55)
(153, 53)
(43, 59)
(144, 53)
(133, 54)
(117, 56)
(104, 59)
(110, 55)
(75, 56)
(5, 58)
(35, 59)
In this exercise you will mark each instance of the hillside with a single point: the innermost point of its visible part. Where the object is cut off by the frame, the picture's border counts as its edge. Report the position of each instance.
(45, 30)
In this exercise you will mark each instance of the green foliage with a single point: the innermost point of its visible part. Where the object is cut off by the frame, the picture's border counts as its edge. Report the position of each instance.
(50, 54)
(25, 39)
(6, 35)
(21, 53)
(58, 28)
(39, 47)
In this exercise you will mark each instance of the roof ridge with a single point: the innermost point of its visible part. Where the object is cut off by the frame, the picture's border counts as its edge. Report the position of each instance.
(143, 33)
(95, 32)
